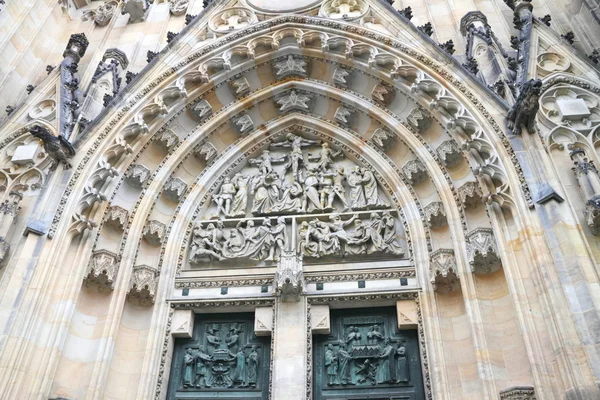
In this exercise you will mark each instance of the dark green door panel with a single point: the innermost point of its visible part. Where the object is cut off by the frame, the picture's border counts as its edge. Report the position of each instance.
(366, 357)
(223, 360)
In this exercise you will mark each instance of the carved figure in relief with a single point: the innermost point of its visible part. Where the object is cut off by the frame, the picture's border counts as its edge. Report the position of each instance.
(377, 335)
(240, 200)
(326, 194)
(279, 233)
(385, 372)
(291, 198)
(376, 227)
(338, 187)
(402, 372)
(265, 190)
(370, 186)
(311, 200)
(203, 244)
(225, 197)
(357, 192)
(524, 111)
(265, 162)
(232, 338)
(337, 226)
(331, 366)
(203, 378)
(188, 369)
(392, 245)
(252, 363)
(353, 336)
(213, 341)
(344, 366)
(295, 159)
(324, 157)
(366, 372)
(239, 375)
(307, 246)
(357, 239)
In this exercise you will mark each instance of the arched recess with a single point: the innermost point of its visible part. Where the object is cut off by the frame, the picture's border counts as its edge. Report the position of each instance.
(120, 140)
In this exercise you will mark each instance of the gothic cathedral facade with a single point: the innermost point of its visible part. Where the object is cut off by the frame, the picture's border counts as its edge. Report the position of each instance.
(300, 199)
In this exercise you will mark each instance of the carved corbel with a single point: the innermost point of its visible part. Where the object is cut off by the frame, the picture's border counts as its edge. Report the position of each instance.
(240, 87)
(289, 278)
(80, 224)
(383, 94)
(435, 215)
(167, 140)
(205, 151)
(470, 195)
(415, 172)
(137, 176)
(102, 270)
(117, 217)
(450, 153)
(174, 189)
(383, 138)
(142, 286)
(482, 251)
(443, 273)
(154, 232)
(345, 116)
(201, 110)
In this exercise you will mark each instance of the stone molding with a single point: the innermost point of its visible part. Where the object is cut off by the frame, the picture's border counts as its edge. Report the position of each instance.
(443, 273)
(482, 251)
(208, 283)
(314, 277)
(518, 393)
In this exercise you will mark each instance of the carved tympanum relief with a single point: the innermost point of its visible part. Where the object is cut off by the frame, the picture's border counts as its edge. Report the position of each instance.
(302, 196)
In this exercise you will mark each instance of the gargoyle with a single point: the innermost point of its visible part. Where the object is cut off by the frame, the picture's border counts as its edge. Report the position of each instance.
(524, 110)
(58, 148)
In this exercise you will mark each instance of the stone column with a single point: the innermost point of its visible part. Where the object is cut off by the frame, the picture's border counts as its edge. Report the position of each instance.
(69, 83)
(290, 340)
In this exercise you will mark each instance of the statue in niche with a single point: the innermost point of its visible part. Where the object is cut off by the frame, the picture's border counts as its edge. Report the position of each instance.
(188, 369)
(252, 363)
(225, 197)
(265, 162)
(402, 372)
(357, 192)
(344, 366)
(324, 157)
(203, 378)
(240, 199)
(331, 366)
(385, 372)
(296, 158)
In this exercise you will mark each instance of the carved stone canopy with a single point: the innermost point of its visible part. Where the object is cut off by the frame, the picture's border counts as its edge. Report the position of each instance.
(178, 7)
(102, 270)
(342, 77)
(167, 140)
(240, 87)
(482, 251)
(435, 215)
(345, 116)
(174, 189)
(117, 217)
(242, 124)
(420, 119)
(154, 232)
(77, 46)
(142, 287)
(450, 153)
(415, 172)
(200, 110)
(383, 138)
(470, 195)
(289, 279)
(137, 176)
(205, 151)
(443, 273)
(383, 94)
